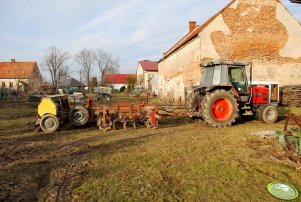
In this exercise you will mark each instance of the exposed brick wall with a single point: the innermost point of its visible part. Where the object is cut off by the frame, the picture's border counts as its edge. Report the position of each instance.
(255, 34)
(258, 31)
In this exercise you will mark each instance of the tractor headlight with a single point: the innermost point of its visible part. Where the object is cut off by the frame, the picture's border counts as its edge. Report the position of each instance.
(239, 89)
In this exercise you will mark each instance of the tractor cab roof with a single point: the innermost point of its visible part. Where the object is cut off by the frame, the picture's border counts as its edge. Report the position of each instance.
(223, 62)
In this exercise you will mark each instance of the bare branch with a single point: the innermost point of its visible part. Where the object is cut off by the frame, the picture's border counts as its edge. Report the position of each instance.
(85, 59)
(55, 61)
(106, 63)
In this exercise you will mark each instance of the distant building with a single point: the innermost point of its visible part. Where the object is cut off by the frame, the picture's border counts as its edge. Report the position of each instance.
(22, 76)
(116, 81)
(147, 75)
(72, 85)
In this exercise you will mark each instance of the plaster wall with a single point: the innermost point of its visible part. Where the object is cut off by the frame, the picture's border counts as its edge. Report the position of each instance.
(147, 80)
(259, 31)
(180, 70)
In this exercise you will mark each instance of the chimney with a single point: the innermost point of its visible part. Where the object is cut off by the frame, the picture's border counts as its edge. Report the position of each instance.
(192, 25)
(13, 60)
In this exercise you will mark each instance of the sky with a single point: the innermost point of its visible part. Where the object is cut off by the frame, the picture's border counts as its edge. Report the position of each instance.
(131, 30)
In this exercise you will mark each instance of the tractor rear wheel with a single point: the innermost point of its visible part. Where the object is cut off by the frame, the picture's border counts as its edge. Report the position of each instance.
(192, 103)
(269, 114)
(219, 108)
(79, 116)
(49, 123)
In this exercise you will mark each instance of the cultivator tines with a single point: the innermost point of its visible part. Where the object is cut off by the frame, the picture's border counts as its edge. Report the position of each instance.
(290, 137)
(127, 113)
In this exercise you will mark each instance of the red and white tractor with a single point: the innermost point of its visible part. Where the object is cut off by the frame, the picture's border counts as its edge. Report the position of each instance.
(225, 93)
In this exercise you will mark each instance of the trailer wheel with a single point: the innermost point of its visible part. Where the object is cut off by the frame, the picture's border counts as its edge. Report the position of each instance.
(269, 114)
(49, 123)
(79, 116)
(219, 108)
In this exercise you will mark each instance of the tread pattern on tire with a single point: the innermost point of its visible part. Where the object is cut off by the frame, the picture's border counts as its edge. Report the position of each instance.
(262, 115)
(192, 100)
(81, 122)
(44, 117)
(206, 106)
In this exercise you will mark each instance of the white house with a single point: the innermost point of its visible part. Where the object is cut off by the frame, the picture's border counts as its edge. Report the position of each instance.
(22, 76)
(147, 75)
(116, 81)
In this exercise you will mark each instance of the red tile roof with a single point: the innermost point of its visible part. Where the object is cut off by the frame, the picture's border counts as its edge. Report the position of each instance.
(17, 70)
(118, 78)
(151, 66)
(194, 33)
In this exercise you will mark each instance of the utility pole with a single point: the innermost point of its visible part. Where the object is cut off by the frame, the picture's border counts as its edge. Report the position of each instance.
(80, 76)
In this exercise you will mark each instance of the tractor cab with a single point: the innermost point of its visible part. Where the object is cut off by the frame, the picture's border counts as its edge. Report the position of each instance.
(227, 74)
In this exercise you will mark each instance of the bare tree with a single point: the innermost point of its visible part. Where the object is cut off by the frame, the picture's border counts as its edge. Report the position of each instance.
(63, 75)
(106, 63)
(86, 58)
(55, 61)
(131, 81)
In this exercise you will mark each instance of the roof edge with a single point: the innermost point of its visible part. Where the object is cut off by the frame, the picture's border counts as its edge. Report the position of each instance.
(188, 37)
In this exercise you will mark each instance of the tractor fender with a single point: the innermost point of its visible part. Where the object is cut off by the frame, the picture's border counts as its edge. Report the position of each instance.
(224, 87)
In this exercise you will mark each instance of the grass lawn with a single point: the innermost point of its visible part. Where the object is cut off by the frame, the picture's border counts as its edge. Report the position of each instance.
(182, 160)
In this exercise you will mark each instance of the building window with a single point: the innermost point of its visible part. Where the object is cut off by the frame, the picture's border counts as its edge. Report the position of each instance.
(151, 76)
(3, 84)
(11, 84)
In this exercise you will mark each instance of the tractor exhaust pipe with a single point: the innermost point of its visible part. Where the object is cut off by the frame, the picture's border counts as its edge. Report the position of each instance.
(251, 72)
(251, 77)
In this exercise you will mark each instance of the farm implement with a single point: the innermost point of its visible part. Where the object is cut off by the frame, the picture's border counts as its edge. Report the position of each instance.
(224, 94)
(55, 110)
(290, 136)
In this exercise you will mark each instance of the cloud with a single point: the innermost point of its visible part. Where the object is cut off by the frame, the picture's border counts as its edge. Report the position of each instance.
(132, 29)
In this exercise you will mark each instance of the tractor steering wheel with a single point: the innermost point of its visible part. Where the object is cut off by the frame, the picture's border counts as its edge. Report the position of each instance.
(238, 85)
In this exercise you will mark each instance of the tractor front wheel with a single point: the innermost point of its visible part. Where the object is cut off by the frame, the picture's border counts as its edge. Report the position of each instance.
(49, 123)
(219, 108)
(269, 114)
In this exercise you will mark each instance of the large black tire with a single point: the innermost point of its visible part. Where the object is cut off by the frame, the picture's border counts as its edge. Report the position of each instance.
(79, 116)
(219, 108)
(192, 102)
(268, 114)
(49, 123)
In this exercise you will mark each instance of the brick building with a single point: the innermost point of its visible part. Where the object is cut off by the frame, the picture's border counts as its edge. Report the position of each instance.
(258, 31)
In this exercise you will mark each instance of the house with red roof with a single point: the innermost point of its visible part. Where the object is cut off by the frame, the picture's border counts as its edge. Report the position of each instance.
(23, 76)
(116, 81)
(262, 32)
(147, 75)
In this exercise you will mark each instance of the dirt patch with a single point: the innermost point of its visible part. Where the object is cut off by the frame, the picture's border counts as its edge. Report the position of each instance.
(181, 160)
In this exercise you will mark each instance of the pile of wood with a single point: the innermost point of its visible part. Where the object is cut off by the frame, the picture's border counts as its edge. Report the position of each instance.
(291, 95)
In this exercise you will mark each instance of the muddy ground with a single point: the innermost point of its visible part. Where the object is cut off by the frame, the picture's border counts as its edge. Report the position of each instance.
(181, 160)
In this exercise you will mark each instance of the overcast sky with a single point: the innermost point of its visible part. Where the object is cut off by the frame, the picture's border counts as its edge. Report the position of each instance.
(133, 30)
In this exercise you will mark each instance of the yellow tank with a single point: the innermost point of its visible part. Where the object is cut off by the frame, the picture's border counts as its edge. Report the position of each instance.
(47, 106)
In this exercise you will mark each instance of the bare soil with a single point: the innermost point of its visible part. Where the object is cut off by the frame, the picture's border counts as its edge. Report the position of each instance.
(182, 160)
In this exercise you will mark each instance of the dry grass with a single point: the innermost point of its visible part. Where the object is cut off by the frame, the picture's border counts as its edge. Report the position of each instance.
(182, 160)
(192, 162)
